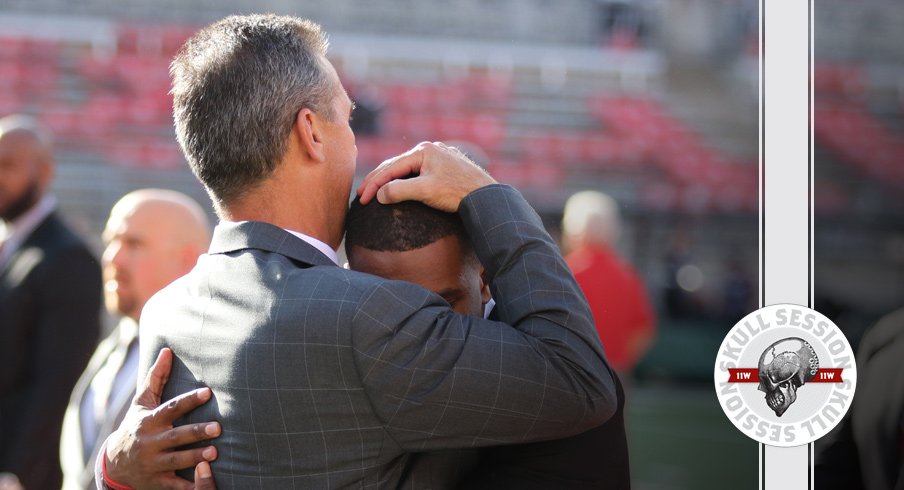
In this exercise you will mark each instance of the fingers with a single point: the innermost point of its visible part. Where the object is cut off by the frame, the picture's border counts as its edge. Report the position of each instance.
(394, 168)
(204, 477)
(152, 457)
(181, 405)
(169, 482)
(401, 190)
(445, 176)
(188, 434)
(151, 391)
(186, 458)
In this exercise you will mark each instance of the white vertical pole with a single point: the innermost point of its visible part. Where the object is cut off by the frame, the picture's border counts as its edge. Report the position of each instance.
(786, 190)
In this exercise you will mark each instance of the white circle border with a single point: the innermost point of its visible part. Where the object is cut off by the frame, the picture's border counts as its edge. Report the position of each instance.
(802, 434)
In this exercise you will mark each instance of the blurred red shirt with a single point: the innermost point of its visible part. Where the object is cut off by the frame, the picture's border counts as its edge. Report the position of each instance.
(619, 302)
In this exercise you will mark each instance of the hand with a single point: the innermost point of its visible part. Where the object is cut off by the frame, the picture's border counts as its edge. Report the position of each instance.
(445, 177)
(142, 452)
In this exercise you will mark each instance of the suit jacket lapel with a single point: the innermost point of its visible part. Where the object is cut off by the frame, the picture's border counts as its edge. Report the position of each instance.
(36, 237)
(116, 412)
(231, 237)
(72, 441)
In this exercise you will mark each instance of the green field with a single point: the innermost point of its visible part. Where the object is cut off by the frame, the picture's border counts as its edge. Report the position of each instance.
(679, 438)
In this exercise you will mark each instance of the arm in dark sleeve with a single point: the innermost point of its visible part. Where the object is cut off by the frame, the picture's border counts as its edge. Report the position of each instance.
(863, 451)
(64, 337)
(837, 464)
(442, 380)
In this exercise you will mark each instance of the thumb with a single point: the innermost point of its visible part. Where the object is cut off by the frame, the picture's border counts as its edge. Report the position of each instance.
(204, 477)
(150, 392)
(401, 190)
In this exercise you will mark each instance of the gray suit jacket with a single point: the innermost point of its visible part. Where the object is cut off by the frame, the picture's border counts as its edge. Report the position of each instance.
(326, 378)
(78, 470)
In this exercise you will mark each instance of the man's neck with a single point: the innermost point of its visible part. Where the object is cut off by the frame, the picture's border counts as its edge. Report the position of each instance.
(26, 222)
(285, 211)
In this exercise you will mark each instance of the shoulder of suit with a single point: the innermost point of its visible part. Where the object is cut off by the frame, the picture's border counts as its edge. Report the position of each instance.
(360, 284)
(355, 279)
(53, 233)
(888, 331)
(276, 268)
(53, 250)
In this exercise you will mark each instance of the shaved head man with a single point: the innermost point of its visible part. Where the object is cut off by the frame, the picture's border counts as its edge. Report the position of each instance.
(152, 237)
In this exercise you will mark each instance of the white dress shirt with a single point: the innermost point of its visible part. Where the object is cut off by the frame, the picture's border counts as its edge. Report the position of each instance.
(113, 384)
(13, 233)
(322, 247)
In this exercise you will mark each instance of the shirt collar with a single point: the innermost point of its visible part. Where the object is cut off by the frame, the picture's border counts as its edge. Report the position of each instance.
(488, 308)
(13, 233)
(319, 245)
(323, 247)
(128, 329)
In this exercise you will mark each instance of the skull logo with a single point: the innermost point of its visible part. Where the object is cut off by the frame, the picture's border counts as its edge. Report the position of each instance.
(784, 367)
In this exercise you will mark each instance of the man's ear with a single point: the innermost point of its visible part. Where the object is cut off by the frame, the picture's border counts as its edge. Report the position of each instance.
(308, 129)
(485, 293)
(46, 171)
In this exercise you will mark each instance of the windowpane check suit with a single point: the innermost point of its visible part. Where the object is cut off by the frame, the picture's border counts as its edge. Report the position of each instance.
(324, 377)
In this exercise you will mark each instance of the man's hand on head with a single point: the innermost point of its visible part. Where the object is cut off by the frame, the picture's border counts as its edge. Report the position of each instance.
(142, 453)
(445, 176)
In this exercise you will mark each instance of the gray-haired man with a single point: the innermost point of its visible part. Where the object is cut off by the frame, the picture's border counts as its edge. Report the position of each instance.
(324, 377)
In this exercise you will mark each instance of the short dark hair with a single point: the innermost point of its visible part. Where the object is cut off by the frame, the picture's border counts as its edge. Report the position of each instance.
(400, 227)
(238, 85)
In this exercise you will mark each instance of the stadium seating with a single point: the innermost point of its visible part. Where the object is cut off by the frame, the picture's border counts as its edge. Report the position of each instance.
(844, 125)
(111, 106)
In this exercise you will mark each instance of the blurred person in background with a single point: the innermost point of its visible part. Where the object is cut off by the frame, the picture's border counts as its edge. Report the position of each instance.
(681, 299)
(621, 308)
(738, 292)
(152, 236)
(866, 450)
(50, 298)
(368, 108)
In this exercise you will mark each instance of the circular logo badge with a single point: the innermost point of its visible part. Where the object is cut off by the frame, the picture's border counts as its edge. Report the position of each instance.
(785, 375)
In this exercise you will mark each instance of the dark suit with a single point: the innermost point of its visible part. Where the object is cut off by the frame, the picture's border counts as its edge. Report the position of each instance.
(50, 298)
(865, 450)
(325, 378)
(595, 459)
